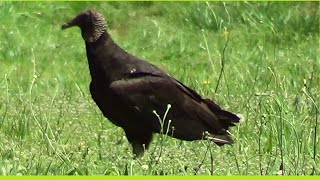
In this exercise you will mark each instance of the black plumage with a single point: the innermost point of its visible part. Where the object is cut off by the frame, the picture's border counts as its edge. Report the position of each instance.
(129, 91)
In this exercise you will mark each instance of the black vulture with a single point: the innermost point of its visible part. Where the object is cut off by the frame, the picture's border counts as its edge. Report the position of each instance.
(131, 92)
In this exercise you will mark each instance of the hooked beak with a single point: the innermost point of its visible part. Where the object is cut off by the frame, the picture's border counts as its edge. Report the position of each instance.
(68, 25)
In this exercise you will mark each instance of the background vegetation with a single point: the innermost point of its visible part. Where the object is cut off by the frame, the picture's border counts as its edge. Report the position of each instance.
(268, 72)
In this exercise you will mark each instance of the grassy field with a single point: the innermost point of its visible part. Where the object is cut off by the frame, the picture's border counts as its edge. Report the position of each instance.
(257, 59)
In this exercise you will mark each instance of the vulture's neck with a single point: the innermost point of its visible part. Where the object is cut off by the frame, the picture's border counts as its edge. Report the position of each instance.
(104, 56)
(104, 48)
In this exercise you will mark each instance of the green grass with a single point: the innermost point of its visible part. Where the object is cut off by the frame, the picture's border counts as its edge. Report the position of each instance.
(49, 125)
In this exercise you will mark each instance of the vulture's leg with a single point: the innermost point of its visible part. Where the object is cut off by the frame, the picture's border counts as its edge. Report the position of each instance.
(139, 140)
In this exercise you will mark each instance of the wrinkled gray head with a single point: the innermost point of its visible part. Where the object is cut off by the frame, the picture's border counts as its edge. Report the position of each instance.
(91, 23)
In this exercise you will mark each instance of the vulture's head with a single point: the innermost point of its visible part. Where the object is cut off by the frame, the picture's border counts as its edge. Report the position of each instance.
(91, 23)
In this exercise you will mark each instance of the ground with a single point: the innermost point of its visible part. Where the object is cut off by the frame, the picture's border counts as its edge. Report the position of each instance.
(268, 72)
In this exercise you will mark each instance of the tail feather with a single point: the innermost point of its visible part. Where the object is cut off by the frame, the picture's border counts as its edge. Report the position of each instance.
(225, 117)
(221, 140)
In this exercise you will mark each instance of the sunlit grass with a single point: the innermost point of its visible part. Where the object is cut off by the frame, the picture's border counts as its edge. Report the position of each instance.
(49, 125)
